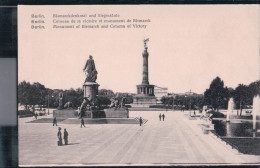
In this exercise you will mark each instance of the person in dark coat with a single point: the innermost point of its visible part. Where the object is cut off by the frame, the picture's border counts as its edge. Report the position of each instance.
(141, 121)
(36, 116)
(163, 116)
(59, 137)
(66, 134)
(160, 116)
(82, 123)
(55, 121)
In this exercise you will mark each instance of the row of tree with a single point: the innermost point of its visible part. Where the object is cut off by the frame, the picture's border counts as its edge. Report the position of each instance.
(217, 96)
(189, 101)
(30, 95)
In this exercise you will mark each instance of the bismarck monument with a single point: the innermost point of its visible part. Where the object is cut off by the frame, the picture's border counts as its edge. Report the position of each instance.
(145, 92)
(90, 90)
(90, 107)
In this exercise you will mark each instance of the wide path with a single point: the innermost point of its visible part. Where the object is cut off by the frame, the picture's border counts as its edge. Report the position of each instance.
(176, 140)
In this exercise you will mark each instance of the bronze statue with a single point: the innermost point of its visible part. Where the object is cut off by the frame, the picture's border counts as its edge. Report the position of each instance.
(68, 105)
(116, 103)
(83, 107)
(123, 101)
(60, 100)
(90, 70)
(145, 41)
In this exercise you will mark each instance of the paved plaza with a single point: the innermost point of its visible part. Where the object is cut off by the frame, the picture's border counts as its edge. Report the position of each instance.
(176, 140)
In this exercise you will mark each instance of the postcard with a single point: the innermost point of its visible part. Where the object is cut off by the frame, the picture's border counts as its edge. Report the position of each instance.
(138, 85)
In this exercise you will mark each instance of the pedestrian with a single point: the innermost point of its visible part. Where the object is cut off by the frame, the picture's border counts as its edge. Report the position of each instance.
(59, 137)
(163, 116)
(36, 115)
(141, 121)
(194, 112)
(82, 123)
(160, 116)
(66, 134)
(55, 121)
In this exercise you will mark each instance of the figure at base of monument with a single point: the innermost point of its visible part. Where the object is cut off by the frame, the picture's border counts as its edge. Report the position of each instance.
(68, 105)
(117, 109)
(83, 107)
(116, 103)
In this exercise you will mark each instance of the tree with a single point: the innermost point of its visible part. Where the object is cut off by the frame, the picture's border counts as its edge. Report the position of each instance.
(24, 93)
(253, 89)
(105, 92)
(104, 96)
(241, 96)
(129, 97)
(216, 96)
(73, 96)
(31, 94)
(38, 93)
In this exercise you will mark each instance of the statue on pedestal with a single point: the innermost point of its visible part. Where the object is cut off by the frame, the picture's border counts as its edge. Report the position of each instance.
(90, 70)
(145, 41)
(68, 105)
(116, 103)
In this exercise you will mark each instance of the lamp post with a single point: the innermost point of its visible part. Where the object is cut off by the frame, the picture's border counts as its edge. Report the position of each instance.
(190, 100)
(48, 104)
(173, 98)
(167, 103)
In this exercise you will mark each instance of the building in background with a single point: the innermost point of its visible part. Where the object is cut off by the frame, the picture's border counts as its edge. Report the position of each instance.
(159, 92)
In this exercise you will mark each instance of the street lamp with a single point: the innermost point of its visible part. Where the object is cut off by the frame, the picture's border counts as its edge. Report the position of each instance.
(173, 98)
(48, 105)
(190, 100)
(49, 102)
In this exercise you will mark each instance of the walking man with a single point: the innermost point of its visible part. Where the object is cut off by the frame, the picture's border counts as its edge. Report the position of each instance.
(82, 123)
(141, 121)
(66, 134)
(163, 116)
(59, 137)
(160, 116)
(55, 121)
(36, 115)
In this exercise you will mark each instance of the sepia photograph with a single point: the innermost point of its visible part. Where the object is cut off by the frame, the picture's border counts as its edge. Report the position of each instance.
(138, 85)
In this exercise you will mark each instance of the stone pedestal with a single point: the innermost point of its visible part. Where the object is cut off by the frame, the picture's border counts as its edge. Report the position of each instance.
(117, 113)
(65, 113)
(90, 90)
(94, 114)
(143, 101)
(88, 114)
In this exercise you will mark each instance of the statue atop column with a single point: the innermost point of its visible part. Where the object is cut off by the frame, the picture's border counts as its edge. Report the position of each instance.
(90, 70)
(145, 41)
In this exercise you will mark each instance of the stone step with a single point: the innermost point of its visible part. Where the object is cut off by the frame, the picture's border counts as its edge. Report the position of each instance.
(46, 120)
(147, 109)
(101, 121)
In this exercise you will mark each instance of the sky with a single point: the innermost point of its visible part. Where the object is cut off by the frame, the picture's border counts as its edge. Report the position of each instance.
(189, 46)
